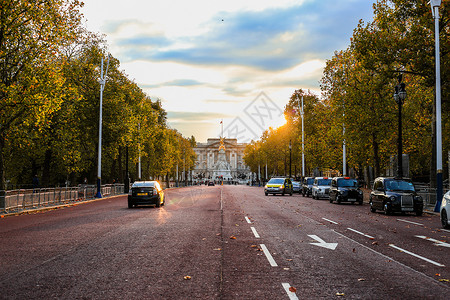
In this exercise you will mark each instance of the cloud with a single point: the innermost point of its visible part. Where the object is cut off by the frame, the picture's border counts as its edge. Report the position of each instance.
(198, 117)
(271, 39)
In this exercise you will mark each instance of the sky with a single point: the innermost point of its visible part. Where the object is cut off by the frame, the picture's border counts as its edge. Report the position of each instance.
(235, 61)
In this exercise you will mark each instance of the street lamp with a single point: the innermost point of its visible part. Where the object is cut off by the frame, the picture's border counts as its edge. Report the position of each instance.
(290, 158)
(400, 96)
(99, 167)
(435, 4)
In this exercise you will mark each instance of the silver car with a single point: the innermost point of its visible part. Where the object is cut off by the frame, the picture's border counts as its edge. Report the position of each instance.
(445, 210)
(321, 188)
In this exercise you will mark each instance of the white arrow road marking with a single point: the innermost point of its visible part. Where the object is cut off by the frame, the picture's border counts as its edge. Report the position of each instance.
(416, 255)
(322, 243)
(291, 295)
(269, 256)
(437, 243)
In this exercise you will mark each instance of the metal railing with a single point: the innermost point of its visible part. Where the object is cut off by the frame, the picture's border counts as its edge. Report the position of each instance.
(26, 199)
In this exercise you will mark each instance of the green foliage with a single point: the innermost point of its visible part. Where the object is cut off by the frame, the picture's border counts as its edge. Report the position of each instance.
(357, 85)
(49, 104)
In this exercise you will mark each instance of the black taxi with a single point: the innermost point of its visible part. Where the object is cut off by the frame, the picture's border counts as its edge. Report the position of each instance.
(391, 195)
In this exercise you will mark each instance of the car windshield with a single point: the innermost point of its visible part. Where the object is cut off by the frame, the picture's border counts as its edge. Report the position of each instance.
(324, 182)
(347, 183)
(276, 181)
(310, 181)
(399, 185)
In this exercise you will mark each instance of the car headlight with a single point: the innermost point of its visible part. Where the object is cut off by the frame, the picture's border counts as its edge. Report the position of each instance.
(418, 198)
(282, 187)
(392, 198)
(360, 192)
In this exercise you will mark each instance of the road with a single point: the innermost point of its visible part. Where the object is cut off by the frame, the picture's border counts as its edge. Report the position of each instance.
(223, 242)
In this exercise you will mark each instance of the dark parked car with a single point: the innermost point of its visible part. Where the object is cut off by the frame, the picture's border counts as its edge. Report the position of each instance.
(145, 193)
(307, 186)
(345, 189)
(211, 183)
(297, 187)
(395, 195)
(278, 186)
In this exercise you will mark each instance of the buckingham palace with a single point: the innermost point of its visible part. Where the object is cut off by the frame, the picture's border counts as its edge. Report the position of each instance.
(221, 158)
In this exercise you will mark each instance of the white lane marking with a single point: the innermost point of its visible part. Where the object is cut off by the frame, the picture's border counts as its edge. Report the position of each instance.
(221, 205)
(418, 256)
(330, 221)
(322, 243)
(385, 256)
(291, 295)
(255, 233)
(444, 230)
(410, 222)
(248, 220)
(268, 255)
(437, 242)
(370, 237)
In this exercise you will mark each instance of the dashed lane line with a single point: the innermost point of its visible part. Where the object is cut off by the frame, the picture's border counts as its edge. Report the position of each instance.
(330, 221)
(291, 295)
(248, 220)
(417, 256)
(410, 222)
(268, 256)
(255, 232)
(363, 234)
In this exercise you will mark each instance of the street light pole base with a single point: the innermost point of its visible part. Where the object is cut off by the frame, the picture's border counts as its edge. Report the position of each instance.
(99, 193)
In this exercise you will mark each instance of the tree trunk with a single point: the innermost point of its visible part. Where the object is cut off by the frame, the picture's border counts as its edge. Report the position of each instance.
(2, 167)
(376, 157)
(46, 167)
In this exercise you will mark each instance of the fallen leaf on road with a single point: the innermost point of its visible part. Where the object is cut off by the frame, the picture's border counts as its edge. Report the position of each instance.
(286, 269)
(217, 234)
(253, 246)
(187, 277)
(292, 289)
(232, 237)
(444, 280)
(289, 259)
(437, 274)
(340, 294)
(203, 239)
(354, 250)
(375, 243)
(361, 279)
(217, 249)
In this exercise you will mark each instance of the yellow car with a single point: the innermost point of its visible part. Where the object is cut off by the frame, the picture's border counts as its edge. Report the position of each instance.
(278, 186)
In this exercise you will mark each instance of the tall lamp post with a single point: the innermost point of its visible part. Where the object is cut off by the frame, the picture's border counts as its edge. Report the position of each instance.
(435, 4)
(290, 158)
(399, 96)
(302, 113)
(99, 170)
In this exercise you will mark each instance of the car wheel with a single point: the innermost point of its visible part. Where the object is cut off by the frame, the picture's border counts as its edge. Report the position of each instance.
(419, 212)
(444, 219)
(130, 205)
(266, 194)
(360, 203)
(331, 200)
(338, 200)
(291, 193)
(158, 204)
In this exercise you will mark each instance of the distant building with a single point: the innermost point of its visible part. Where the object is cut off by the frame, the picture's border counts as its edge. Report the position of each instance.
(221, 158)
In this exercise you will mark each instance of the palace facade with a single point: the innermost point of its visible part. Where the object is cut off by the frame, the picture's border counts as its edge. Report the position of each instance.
(221, 158)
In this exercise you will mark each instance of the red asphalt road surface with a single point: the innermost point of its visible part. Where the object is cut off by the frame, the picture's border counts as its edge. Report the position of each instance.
(223, 242)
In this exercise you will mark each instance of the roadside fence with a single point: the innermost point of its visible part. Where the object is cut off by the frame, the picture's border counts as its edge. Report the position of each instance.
(20, 200)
